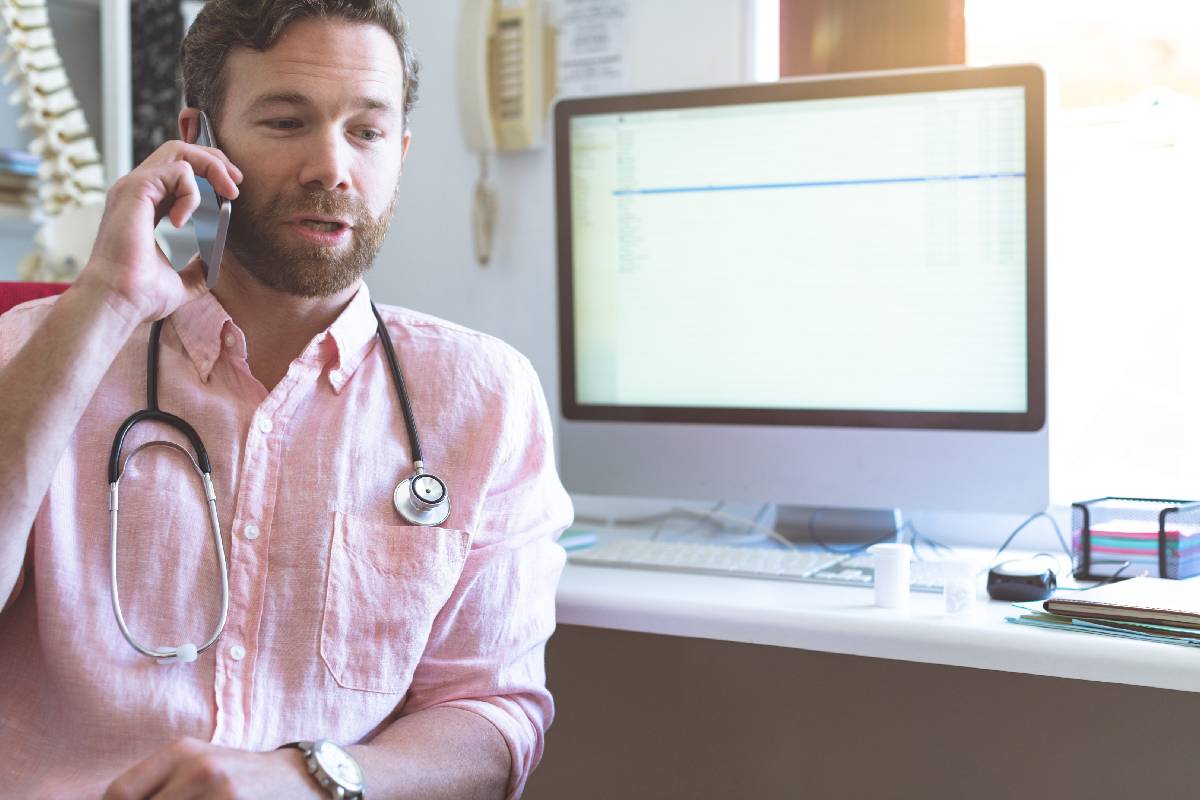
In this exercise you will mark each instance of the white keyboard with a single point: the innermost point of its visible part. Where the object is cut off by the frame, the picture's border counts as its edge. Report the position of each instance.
(810, 566)
(710, 559)
(859, 570)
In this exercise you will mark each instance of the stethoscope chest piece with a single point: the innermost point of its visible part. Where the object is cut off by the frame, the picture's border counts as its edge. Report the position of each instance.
(422, 499)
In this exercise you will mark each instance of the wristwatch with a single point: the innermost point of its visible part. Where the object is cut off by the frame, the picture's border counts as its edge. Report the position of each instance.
(333, 768)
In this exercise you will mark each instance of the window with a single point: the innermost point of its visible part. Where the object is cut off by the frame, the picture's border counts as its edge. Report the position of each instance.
(1122, 263)
(765, 45)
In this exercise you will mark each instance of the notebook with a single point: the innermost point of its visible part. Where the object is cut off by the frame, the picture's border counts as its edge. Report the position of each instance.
(1035, 616)
(1158, 601)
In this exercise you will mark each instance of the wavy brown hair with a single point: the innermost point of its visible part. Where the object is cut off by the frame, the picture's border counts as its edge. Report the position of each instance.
(257, 24)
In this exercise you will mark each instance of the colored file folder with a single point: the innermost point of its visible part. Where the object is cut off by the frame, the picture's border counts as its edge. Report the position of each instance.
(1151, 609)
(1137, 542)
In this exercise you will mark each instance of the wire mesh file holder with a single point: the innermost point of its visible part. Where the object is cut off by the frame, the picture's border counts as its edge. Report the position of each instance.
(1170, 516)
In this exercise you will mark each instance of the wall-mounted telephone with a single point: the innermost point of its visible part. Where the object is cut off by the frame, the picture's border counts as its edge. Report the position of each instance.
(502, 74)
(506, 68)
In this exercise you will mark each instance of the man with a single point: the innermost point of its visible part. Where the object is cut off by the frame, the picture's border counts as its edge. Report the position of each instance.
(418, 648)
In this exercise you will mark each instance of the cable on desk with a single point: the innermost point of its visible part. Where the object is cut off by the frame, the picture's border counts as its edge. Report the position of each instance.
(1124, 565)
(857, 548)
(714, 515)
(618, 522)
(750, 524)
(918, 537)
(1022, 526)
(698, 523)
(747, 536)
(710, 514)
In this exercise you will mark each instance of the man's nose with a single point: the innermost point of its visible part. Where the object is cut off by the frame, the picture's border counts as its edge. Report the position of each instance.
(327, 162)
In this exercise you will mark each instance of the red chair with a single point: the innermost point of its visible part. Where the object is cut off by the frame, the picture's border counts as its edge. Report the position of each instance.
(15, 293)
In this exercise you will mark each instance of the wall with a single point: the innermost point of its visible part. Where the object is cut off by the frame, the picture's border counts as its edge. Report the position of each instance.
(427, 261)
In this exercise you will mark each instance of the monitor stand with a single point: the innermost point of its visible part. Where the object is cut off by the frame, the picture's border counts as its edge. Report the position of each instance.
(840, 527)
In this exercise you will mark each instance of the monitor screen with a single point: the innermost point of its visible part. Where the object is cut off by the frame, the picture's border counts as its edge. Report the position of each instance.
(825, 292)
(771, 257)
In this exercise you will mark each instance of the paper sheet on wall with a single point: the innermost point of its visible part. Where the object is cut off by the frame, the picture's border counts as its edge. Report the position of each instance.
(591, 47)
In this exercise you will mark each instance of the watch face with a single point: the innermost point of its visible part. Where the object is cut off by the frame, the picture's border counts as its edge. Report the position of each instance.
(338, 765)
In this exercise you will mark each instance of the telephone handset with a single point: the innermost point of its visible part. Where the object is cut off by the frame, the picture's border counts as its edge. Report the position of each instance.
(211, 219)
(502, 74)
(505, 82)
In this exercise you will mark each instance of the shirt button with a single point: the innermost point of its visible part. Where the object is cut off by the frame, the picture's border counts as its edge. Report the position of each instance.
(230, 341)
(265, 425)
(204, 366)
(237, 652)
(251, 531)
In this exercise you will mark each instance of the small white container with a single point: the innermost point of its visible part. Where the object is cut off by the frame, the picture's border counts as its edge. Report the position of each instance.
(891, 574)
(959, 586)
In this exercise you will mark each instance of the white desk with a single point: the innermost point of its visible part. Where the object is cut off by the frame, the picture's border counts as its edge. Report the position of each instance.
(836, 619)
(675, 685)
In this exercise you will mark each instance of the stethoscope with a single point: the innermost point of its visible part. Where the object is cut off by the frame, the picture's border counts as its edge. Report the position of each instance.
(421, 499)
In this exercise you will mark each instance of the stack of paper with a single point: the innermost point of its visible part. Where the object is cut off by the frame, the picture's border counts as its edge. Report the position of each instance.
(1151, 609)
(1136, 541)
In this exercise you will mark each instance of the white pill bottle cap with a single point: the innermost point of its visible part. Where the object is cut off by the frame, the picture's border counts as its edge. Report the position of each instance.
(890, 550)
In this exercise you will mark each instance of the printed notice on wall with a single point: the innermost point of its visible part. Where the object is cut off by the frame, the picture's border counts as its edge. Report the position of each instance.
(591, 47)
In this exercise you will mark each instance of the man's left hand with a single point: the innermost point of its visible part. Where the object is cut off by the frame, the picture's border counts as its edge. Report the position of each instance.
(191, 768)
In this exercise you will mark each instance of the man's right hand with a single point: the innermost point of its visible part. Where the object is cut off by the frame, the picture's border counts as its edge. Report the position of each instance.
(47, 384)
(127, 267)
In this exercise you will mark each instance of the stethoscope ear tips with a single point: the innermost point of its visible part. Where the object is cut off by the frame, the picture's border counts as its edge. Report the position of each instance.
(422, 499)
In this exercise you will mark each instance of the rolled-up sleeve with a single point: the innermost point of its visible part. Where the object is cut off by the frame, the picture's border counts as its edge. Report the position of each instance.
(486, 651)
(17, 325)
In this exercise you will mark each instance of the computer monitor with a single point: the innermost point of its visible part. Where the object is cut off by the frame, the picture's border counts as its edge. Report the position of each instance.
(824, 292)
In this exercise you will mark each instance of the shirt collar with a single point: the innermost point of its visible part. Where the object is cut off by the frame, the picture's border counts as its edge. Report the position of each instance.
(353, 333)
(199, 323)
(202, 323)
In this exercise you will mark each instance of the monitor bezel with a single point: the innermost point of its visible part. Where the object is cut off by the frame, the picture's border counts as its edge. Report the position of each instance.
(1026, 76)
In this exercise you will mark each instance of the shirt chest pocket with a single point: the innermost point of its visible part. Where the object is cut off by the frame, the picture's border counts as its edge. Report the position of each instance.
(385, 586)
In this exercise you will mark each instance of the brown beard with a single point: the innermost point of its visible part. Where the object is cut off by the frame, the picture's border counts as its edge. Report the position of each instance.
(284, 263)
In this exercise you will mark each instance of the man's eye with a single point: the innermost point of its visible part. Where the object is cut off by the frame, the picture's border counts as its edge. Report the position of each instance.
(283, 124)
(370, 134)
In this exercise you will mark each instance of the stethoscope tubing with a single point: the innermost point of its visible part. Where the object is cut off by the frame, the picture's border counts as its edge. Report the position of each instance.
(200, 462)
(154, 415)
(409, 504)
(214, 523)
(401, 389)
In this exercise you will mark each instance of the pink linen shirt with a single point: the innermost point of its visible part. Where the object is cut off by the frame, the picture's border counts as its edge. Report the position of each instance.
(342, 617)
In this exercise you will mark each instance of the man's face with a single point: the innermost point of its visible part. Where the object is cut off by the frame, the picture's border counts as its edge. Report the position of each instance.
(316, 125)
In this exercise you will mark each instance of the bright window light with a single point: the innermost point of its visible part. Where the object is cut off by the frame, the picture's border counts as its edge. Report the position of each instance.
(1123, 161)
(766, 40)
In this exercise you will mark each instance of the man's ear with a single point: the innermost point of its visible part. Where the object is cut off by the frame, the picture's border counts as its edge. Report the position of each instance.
(189, 124)
(404, 148)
